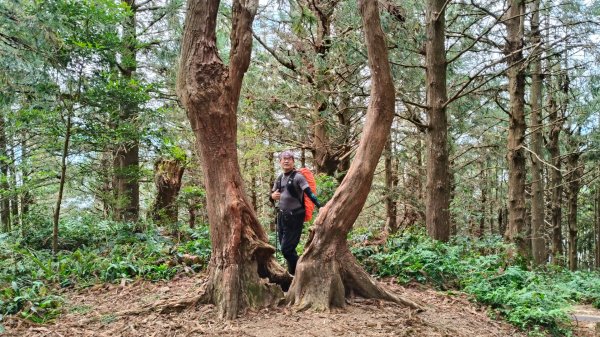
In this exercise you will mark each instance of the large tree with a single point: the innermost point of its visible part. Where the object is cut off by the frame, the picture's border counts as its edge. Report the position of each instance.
(209, 90)
(437, 214)
(327, 271)
(516, 130)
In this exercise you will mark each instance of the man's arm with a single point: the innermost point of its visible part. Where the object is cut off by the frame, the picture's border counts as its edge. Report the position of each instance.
(312, 197)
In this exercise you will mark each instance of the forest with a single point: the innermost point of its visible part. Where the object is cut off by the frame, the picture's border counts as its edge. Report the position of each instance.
(455, 146)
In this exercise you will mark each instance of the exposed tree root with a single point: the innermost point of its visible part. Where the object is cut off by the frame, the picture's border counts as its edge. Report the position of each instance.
(324, 283)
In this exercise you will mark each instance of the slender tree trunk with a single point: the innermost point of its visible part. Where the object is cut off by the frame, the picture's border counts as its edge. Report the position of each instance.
(26, 196)
(597, 222)
(484, 198)
(126, 159)
(14, 189)
(574, 177)
(437, 206)
(241, 255)
(391, 180)
(538, 245)
(61, 186)
(556, 122)
(167, 178)
(516, 131)
(328, 271)
(4, 185)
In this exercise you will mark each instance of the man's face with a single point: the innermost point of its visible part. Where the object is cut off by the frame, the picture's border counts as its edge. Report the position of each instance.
(287, 163)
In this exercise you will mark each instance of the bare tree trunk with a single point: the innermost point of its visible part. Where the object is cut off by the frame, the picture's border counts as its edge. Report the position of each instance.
(516, 131)
(574, 178)
(391, 181)
(4, 185)
(26, 196)
(167, 178)
(126, 156)
(61, 186)
(556, 124)
(437, 206)
(328, 271)
(484, 197)
(597, 222)
(538, 245)
(241, 255)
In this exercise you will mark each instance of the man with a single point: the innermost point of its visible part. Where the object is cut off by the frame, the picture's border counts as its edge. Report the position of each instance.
(289, 189)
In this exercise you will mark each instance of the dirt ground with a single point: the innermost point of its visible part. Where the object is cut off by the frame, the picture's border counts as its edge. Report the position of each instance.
(127, 310)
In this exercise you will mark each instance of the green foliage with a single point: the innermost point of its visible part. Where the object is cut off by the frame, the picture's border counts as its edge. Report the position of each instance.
(487, 270)
(92, 251)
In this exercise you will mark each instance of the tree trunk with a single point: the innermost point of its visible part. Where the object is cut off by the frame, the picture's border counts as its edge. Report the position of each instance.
(167, 178)
(484, 197)
(241, 255)
(61, 186)
(556, 123)
(597, 222)
(327, 272)
(126, 156)
(437, 206)
(538, 245)
(26, 196)
(391, 181)
(4, 185)
(516, 131)
(574, 177)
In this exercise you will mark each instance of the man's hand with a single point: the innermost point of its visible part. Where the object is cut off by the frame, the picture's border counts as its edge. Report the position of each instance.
(276, 195)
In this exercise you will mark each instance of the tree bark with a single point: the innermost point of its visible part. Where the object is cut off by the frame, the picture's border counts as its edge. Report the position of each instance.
(437, 206)
(328, 272)
(516, 131)
(126, 156)
(61, 186)
(597, 222)
(556, 123)
(167, 178)
(4, 185)
(391, 181)
(241, 255)
(574, 178)
(538, 245)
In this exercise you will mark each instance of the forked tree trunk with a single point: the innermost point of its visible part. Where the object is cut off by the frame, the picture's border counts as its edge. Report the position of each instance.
(167, 178)
(328, 272)
(538, 245)
(516, 130)
(241, 255)
(437, 205)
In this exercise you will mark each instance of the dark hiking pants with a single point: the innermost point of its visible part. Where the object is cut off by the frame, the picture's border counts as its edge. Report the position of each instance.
(289, 229)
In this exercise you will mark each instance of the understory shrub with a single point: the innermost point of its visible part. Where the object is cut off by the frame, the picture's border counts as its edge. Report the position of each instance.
(110, 252)
(489, 271)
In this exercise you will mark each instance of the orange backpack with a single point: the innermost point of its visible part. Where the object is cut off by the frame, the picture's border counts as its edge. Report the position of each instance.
(308, 204)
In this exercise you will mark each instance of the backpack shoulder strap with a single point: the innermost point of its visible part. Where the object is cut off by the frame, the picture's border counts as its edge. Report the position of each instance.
(278, 184)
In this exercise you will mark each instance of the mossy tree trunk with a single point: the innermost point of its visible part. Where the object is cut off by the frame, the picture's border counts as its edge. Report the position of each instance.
(209, 90)
(167, 178)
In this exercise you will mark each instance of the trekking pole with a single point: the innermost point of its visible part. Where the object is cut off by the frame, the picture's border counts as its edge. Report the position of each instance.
(276, 233)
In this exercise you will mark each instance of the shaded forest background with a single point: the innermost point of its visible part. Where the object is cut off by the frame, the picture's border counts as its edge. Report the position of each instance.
(495, 130)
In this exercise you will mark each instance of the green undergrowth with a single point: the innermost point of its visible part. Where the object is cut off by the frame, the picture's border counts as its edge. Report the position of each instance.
(90, 252)
(487, 270)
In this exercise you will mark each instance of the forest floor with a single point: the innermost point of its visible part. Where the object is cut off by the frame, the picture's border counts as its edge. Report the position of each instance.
(126, 309)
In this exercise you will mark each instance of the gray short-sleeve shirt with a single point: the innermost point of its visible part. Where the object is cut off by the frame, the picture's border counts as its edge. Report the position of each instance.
(288, 202)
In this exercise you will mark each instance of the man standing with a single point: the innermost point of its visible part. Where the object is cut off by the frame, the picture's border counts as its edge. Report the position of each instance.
(289, 189)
